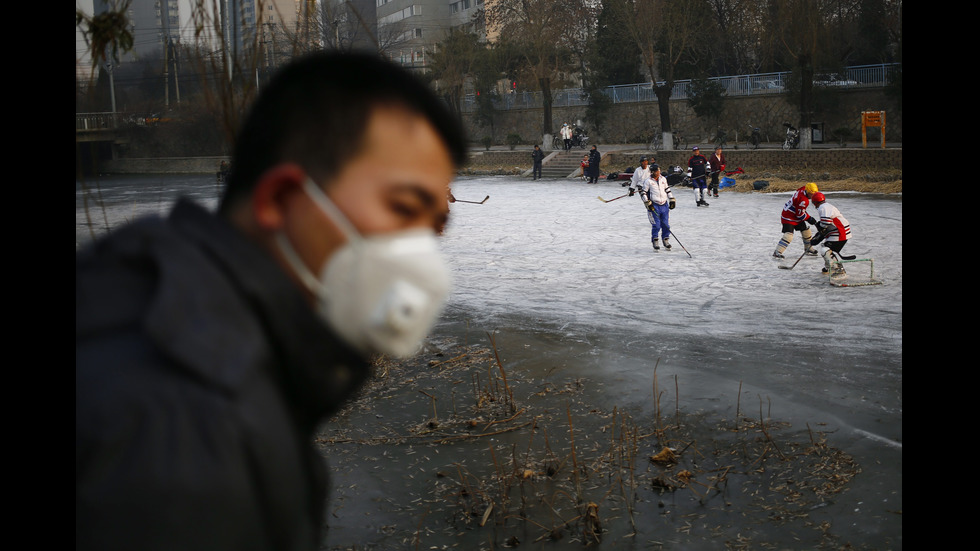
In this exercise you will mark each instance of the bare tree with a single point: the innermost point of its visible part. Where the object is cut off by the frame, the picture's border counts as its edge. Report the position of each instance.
(735, 35)
(452, 63)
(801, 28)
(542, 32)
(666, 32)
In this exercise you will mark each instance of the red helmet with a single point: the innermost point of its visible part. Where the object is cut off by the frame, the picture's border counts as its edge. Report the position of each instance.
(818, 198)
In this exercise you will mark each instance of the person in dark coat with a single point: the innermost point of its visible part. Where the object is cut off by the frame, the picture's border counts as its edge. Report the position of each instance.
(209, 346)
(594, 159)
(537, 156)
(223, 169)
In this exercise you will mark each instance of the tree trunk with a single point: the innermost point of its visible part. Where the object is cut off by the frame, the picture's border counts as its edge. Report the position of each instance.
(663, 93)
(806, 101)
(546, 99)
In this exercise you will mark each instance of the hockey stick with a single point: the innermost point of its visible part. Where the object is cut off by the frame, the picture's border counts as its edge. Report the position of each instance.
(842, 257)
(784, 267)
(474, 202)
(738, 170)
(613, 199)
(674, 235)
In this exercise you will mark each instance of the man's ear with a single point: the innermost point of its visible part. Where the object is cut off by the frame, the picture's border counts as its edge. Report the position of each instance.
(271, 192)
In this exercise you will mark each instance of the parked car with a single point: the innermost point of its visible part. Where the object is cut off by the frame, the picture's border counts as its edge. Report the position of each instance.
(832, 79)
(767, 86)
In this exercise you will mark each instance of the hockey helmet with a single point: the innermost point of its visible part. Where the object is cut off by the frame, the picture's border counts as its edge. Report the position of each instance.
(811, 188)
(818, 198)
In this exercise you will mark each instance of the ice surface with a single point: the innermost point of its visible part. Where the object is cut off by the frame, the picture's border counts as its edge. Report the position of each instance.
(550, 253)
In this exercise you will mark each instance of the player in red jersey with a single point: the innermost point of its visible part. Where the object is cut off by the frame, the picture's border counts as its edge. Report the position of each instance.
(795, 218)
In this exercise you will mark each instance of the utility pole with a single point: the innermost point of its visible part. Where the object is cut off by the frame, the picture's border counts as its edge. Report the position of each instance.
(112, 92)
(174, 51)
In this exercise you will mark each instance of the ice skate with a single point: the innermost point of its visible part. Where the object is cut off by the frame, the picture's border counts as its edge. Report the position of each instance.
(656, 244)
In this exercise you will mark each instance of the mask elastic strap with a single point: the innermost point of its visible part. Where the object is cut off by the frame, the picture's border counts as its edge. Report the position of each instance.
(311, 282)
(331, 210)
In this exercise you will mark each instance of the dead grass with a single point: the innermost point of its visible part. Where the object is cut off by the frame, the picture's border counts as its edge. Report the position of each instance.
(876, 181)
(777, 185)
(552, 463)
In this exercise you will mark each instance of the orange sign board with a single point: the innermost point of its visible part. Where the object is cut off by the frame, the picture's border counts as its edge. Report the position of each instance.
(872, 118)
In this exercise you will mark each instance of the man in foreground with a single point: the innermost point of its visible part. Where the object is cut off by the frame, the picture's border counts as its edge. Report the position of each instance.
(209, 347)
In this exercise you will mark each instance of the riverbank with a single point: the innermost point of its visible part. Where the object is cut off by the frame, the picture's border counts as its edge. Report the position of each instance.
(851, 168)
(834, 169)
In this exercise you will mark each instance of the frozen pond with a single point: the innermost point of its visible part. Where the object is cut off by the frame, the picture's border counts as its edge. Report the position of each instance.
(571, 288)
(549, 256)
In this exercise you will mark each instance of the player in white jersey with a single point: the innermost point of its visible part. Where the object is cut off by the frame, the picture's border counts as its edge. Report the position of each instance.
(658, 200)
(832, 228)
(641, 173)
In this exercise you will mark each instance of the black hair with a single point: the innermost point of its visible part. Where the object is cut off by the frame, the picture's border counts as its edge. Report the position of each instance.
(315, 111)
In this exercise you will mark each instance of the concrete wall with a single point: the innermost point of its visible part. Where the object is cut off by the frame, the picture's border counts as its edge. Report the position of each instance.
(636, 122)
(776, 160)
(164, 165)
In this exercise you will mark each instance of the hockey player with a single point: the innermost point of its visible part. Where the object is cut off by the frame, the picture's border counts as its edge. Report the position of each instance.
(641, 173)
(795, 218)
(833, 228)
(658, 200)
(697, 167)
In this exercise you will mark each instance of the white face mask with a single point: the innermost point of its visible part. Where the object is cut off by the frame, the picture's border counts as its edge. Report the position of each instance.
(382, 293)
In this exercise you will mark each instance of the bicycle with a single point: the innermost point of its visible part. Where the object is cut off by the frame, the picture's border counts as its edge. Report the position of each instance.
(792, 140)
(657, 142)
(720, 138)
(756, 138)
(679, 141)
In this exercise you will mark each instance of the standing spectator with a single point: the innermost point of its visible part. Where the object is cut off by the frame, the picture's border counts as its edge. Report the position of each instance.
(566, 134)
(716, 164)
(537, 156)
(595, 159)
(209, 346)
(584, 165)
(697, 167)
(223, 169)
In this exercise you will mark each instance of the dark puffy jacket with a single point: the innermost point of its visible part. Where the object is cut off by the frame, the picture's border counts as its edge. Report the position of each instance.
(200, 377)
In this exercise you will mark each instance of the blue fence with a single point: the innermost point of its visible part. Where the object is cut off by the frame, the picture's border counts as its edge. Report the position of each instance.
(865, 76)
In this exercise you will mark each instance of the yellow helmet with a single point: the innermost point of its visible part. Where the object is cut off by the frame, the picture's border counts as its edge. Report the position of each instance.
(811, 188)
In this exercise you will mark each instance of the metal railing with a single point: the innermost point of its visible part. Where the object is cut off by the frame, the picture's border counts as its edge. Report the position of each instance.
(865, 76)
(96, 121)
